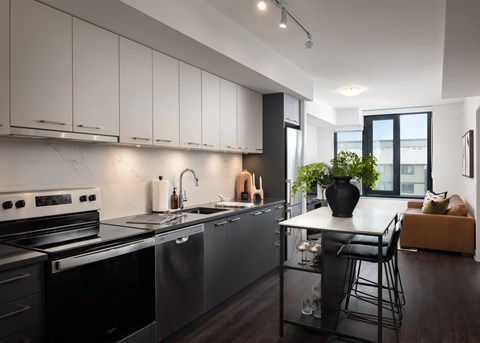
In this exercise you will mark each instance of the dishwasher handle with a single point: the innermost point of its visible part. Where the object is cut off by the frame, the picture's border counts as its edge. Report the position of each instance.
(181, 240)
(179, 236)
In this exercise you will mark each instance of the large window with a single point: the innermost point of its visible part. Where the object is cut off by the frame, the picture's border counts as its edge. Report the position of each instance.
(401, 143)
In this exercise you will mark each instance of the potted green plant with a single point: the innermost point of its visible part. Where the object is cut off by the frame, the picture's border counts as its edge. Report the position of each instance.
(342, 196)
(309, 174)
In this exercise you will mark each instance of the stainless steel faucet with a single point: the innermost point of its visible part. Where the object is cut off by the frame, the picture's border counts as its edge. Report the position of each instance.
(183, 197)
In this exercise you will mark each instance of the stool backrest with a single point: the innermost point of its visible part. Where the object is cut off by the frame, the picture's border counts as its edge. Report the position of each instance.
(392, 246)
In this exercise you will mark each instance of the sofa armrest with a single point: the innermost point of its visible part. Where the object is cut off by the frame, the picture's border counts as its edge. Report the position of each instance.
(415, 204)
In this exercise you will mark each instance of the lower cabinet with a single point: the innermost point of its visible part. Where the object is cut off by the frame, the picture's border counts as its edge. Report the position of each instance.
(238, 250)
(22, 304)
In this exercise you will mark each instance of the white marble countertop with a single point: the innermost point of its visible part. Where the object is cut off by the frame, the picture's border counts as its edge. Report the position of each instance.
(372, 221)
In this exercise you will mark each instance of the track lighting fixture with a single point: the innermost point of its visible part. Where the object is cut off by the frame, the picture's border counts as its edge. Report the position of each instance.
(262, 5)
(283, 18)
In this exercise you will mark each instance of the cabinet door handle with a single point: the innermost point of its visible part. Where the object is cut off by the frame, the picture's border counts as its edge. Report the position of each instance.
(277, 244)
(164, 140)
(242, 148)
(277, 232)
(280, 207)
(257, 213)
(43, 121)
(141, 139)
(20, 310)
(267, 210)
(279, 219)
(232, 147)
(208, 145)
(234, 220)
(193, 143)
(221, 223)
(258, 149)
(15, 278)
(90, 127)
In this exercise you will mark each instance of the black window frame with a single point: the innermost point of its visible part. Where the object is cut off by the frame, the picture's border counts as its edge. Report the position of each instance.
(368, 148)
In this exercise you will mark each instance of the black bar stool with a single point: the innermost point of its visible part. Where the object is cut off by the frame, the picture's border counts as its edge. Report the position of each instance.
(373, 241)
(369, 253)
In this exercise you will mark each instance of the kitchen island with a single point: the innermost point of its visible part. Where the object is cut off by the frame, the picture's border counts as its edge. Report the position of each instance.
(332, 271)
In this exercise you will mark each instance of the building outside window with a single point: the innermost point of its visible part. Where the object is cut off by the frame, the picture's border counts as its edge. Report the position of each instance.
(401, 143)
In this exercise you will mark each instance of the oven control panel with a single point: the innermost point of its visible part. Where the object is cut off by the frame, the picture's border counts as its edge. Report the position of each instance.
(22, 205)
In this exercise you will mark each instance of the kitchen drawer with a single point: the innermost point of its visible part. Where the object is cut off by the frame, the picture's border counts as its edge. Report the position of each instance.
(34, 334)
(22, 313)
(19, 282)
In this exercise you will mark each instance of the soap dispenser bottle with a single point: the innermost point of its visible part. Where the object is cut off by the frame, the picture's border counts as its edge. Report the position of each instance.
(174, 199)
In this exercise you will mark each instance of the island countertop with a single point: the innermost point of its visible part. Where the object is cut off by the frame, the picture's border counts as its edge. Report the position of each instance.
(370, 221)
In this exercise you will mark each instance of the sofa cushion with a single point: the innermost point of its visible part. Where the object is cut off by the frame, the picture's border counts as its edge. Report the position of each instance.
(436, 207)
(434, 196)
(457, 207)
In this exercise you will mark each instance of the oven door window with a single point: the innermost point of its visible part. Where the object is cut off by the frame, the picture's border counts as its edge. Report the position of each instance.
(103, 301)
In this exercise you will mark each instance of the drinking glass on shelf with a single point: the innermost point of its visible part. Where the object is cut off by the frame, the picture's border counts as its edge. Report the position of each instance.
(314, 248)
(302, 247)
(307, 306)
(317, 302)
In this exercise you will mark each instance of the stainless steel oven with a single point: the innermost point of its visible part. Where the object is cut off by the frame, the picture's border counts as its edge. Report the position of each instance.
(100, 278)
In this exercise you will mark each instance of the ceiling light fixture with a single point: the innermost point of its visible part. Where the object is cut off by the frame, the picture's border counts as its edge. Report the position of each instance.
(283, 18)
(309, 42)
(285, 13)
(262, 5)
(351, 90)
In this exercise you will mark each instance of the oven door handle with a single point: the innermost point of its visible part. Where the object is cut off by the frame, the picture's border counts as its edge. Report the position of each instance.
(103, 254)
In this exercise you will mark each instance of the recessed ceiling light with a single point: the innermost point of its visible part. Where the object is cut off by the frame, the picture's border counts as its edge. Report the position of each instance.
(351, 90)
(262, 5)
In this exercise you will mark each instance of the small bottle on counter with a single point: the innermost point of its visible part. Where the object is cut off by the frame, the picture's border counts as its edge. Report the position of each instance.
(174, 200)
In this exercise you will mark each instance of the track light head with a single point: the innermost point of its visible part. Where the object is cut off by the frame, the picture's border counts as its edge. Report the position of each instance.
(283, 19)
(309, 42)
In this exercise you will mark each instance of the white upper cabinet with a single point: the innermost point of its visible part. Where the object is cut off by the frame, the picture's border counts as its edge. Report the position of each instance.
(41, 66)
(190, 106)
(244, 108)
(95, 80)
(4, 67)
(210, 111)
(256, 130)
(291, 109)
(166, 115)
(135, 93)
(228, 116)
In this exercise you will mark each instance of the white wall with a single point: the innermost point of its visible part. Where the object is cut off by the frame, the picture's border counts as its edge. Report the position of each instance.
(448, 129)
(470, 186)
(122, 173)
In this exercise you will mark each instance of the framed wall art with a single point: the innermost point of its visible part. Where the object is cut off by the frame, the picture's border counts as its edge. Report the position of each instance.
(467, 154)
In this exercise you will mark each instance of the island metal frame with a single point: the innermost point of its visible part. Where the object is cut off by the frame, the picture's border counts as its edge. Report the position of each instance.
(335, 232)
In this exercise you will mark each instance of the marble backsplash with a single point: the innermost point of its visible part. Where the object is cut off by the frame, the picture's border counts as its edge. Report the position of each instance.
(123, 173)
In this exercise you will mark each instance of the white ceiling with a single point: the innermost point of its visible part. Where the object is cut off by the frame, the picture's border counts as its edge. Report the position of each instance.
(393, 48)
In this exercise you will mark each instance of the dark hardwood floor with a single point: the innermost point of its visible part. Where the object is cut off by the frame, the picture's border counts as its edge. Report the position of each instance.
(442, 305)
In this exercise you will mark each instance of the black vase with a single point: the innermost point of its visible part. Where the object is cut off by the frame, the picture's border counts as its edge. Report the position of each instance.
(342, 196)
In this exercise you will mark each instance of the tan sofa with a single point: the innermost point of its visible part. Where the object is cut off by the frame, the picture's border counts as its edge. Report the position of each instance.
(452, 231)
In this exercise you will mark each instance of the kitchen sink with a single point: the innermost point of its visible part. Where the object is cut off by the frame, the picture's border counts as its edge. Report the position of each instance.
(204, 210)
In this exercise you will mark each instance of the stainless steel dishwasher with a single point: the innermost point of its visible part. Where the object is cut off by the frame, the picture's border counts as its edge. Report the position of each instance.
(179, 278)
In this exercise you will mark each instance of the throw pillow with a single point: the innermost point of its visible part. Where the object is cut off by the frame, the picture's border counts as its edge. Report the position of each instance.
(434, 196)
(436, 207)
